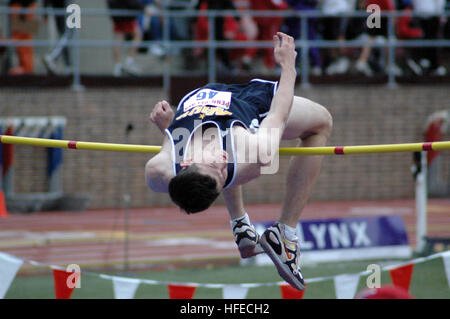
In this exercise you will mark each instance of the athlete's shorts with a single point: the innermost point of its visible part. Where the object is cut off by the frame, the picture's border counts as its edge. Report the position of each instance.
(254, 97)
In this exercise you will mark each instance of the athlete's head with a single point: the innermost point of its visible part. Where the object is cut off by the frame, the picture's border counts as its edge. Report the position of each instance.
(198, 184)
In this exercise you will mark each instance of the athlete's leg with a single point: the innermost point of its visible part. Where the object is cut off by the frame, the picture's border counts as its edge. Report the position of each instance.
(118, 38)
(312, 123)
(234, 202)
(244, 233)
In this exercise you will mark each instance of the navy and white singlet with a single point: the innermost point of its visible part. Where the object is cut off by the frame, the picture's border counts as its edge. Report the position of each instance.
(220, 105)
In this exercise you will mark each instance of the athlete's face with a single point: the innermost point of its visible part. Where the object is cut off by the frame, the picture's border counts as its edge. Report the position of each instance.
(212, 163)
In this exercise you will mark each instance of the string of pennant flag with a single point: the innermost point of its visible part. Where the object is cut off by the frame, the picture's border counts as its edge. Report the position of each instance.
(125, 288)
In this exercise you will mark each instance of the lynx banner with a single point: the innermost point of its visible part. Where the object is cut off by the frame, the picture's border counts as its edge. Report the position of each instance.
(341, 239)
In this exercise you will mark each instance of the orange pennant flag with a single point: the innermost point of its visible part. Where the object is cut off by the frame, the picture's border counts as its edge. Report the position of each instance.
(181, 292)
(401, 276)
(288, 292)
(64, 283)
(3, 210)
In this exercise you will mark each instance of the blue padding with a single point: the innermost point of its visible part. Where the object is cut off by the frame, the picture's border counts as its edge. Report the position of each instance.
(55, 157)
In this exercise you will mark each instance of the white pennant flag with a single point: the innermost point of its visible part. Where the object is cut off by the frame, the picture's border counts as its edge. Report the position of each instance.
(125, 288)
(234, 292)
(9, 266)
(446, 258)
(346, 285)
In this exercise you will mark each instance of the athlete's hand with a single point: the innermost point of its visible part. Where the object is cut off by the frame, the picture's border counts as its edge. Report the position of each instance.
(284, 50)
(162, 115)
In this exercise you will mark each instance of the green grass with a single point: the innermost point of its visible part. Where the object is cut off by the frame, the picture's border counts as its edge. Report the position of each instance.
(429, 281)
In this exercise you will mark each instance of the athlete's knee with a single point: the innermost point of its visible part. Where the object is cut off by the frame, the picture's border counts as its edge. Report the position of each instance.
(327, 122)
(324, 119)
(308, 118)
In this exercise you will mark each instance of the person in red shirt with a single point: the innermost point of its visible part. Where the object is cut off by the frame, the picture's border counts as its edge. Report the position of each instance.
(242, 28)
(268, 26)
(224, 26)
(406, 30)
(235, 29)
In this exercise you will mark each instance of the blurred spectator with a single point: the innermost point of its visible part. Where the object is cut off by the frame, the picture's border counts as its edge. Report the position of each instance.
(3, 48)
(447, 23)
(357, 26)
(356, 29)
(64, 33)
(408, 29)
(241, 28)
(3, 61)
(22, 28)
(126, 26)
(268, 26)
(294, 29)
(151, 26)
(335, 61)
(201, 32)
(430, 21)
(376, 34)
(384, 292)
(180, 27)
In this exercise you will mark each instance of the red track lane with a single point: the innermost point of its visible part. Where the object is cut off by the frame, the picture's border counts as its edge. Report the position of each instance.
(160, 236)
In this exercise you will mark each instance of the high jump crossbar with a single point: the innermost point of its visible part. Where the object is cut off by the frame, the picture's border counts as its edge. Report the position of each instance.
(327, 150)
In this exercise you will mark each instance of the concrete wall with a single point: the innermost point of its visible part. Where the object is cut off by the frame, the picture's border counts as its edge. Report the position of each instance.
(362, 115)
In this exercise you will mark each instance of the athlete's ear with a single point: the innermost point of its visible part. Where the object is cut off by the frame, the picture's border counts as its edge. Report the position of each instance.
(186, 162)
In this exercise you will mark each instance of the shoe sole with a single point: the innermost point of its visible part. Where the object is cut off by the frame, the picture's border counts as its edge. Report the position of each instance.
(250, 250)
(248, 246)
(282, 269)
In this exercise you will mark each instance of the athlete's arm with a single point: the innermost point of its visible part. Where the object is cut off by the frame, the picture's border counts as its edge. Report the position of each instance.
(159, 169)
(266, 142)
(272, 127)
(162, 115)
(234, 202)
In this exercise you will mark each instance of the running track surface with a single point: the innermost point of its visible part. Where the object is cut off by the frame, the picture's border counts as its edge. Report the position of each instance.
(159, 238)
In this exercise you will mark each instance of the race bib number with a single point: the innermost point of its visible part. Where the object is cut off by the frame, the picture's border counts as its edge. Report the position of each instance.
(208, 97)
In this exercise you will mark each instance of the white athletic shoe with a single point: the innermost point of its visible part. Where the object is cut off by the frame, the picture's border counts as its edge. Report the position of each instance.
(340, 66)
(247, 239)
(440, 71)
(364, 68)
(117, 71)
(284, 254)
(425, 63)
(131, 68)
(316, 71)
(157, 50)
(396, 70)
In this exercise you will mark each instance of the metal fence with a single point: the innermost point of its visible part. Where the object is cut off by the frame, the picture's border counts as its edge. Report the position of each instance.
(303, 43)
